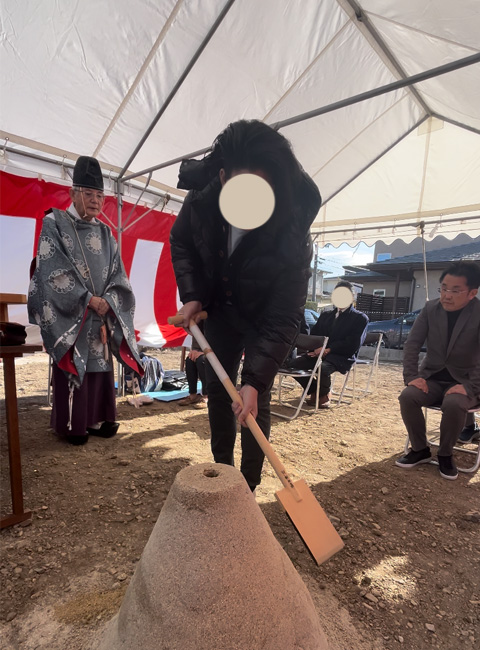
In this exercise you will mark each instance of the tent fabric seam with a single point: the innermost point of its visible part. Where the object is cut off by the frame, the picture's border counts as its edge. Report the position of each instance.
(305, 71)
(357, 135)
(380, 155)
(139, 77)
(178, 83)
(423, 32)
(377, 43)
(425, 165)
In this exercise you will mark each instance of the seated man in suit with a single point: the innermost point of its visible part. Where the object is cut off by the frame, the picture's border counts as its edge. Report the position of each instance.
(346, 329)
(450, 371)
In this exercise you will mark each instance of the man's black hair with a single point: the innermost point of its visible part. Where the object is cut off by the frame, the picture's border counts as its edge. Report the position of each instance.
(344, 283)
(467, 269)
(252, 145)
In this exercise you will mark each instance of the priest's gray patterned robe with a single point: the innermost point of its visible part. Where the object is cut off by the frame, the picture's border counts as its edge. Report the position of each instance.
(76, 260)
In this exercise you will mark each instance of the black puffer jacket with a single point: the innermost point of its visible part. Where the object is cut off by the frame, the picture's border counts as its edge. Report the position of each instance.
(266, 276)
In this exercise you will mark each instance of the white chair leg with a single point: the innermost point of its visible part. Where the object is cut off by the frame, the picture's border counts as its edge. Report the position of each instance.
(345, 381)
(315, 374)
(372, 370)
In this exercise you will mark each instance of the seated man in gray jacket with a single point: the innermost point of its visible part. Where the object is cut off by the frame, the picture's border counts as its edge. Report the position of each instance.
(450, 372)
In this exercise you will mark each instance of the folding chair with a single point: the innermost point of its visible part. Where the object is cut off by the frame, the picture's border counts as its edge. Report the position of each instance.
(372, 338)
(303, 341)
(346, 391)
(350, 392)
(433, 436)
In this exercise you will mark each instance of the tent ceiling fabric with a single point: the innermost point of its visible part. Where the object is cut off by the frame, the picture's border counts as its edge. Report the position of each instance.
(89, 77)
(416, 180)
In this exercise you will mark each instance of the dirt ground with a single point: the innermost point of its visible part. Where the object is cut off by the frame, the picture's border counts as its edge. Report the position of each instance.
(409, 574)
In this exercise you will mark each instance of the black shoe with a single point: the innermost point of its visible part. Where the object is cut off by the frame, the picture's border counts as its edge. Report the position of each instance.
(77, 440)
(469, 434)
(414, 458)
(107, 430)
(447, 467)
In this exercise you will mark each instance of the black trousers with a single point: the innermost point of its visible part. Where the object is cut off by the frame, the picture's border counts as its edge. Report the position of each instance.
(195, 370)
(326, 371)
(229, 336)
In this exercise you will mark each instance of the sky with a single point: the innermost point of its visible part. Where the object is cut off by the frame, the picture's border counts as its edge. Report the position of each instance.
(333, 259)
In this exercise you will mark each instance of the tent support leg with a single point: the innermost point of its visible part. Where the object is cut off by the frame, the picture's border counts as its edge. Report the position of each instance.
(422, 231)
(118, 189)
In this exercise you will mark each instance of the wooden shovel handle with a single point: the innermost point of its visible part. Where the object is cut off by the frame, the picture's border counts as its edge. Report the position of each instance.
(177, 320)
(257, 433)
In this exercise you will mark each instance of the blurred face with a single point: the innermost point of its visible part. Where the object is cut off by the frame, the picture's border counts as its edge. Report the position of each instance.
(455, 293)
(88, 203)
(247, 198)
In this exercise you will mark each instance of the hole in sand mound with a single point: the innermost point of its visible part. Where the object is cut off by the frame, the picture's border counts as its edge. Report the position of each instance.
(211, 473)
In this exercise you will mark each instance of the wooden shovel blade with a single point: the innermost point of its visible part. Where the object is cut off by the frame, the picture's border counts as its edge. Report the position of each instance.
(311, 522)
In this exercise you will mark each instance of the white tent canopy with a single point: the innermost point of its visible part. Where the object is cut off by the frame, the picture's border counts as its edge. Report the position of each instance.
(103, 77)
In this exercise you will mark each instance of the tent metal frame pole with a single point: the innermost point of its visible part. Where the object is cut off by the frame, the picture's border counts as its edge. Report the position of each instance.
(374, 160)
(382, 90)
(118, 191)
(179, 83)
(455, 123)
(363, 19)
(412, 294)
(193, 154)
(129, 225)
(107, 219)
(424, 254)
(147, 182)
(67, 165)
(349, 101)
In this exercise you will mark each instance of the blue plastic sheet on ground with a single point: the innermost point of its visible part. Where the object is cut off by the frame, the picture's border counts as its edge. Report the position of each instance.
(171, 395)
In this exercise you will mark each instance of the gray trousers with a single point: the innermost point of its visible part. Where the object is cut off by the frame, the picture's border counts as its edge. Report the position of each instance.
(454, 414)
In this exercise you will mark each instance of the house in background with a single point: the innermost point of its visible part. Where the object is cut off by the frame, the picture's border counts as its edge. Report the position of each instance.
(396, 285)
(400, 248)
(330, 281)
(325, 284)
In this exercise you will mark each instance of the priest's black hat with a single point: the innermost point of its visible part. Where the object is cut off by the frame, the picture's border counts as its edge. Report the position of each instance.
(87, 173)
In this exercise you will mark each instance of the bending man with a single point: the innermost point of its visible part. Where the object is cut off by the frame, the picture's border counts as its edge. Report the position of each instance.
(253, 283)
